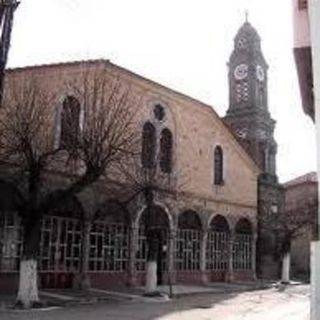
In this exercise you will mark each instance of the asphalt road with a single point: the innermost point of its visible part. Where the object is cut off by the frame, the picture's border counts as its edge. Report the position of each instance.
(291, 303)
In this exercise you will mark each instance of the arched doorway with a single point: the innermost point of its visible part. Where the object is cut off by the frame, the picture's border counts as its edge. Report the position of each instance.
(242, 245)
(188, 245)
(154, 223)
(218, 249)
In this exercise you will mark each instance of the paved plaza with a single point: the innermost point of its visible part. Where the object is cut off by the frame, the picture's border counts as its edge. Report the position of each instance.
(282, 303)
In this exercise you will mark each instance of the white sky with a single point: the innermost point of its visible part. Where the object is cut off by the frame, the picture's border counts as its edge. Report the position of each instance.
(183, 44)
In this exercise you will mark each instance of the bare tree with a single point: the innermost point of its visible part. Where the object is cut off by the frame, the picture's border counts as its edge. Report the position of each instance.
(106, 133)
(287, 225)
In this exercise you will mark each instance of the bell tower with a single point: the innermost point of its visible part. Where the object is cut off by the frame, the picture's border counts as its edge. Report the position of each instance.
(248, 113)
(249, 118)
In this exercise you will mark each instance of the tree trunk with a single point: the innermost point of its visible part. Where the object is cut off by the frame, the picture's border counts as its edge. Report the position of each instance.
(28, 278)
(28, 284)
(285, 278)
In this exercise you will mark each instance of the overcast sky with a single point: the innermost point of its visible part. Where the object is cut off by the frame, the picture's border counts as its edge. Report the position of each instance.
(183, 44)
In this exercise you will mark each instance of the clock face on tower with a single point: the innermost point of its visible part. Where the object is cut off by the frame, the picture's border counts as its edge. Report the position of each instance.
(260, 73)
(242, 43)
(241, 71)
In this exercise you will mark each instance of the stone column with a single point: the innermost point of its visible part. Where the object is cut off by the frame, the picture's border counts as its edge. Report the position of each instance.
(171, 257)
(87, 230)
(230, 273)
(203, 258)
(82, 279)
(253, 256)
(133, 247)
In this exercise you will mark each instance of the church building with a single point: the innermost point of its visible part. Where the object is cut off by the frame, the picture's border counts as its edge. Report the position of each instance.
(222, 174)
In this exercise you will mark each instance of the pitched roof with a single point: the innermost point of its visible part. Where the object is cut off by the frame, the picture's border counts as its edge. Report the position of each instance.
(310, 177)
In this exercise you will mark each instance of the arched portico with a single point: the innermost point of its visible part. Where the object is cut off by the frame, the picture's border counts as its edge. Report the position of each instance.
(243, 249)
(189, 240)
(157, 221)
(109, 239)
(61, 244)
(109, 243)
(159, 205)
(218, 248)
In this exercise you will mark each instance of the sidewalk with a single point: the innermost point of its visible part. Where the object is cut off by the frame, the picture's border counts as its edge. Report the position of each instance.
(184, 289)
(62, 297)
(67, 297)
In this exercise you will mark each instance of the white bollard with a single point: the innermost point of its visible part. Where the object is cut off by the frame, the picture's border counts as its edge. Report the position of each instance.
(151, 281)
(285, 278)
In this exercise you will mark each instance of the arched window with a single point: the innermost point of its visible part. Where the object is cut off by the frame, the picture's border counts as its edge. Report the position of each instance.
(70, 122)
(166, 151)
(263, 157)
(218, 166)
(159, 112)
(148, 145)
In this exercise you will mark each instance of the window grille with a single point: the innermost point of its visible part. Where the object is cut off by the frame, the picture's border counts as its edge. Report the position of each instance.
(217, 251)
(188, 250)
(109, 247)
(142, 252)
(10, 241)
(242, 91)
(60, 247)
(242, 252)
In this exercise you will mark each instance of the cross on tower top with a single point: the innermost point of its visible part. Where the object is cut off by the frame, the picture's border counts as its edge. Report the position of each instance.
(246, 14)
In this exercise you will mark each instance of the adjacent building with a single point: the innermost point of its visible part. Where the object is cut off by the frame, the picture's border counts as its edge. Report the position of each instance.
(306, 14)
(303, 55)
(301, 194)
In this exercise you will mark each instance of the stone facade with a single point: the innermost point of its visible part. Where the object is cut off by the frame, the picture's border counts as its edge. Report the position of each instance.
(299, 192)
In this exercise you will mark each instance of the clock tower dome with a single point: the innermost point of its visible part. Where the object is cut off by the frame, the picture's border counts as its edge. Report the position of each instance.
(248, 113)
